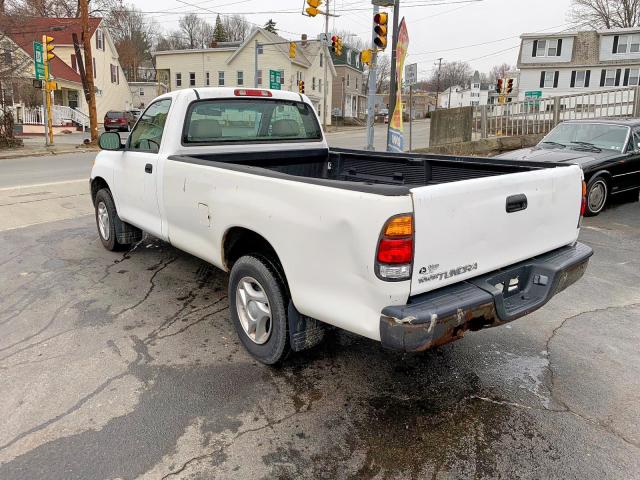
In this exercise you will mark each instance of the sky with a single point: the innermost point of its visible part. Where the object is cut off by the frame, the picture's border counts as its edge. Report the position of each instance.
(451, 29)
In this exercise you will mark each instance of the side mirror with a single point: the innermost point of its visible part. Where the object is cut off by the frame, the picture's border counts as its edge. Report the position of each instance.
(110, 141)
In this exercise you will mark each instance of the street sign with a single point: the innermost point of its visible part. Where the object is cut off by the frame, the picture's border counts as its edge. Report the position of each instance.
(38, 60)
(411, 74)
(532, 98)
(274, 79)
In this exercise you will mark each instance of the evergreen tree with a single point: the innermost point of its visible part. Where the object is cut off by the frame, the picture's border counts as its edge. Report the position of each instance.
(219, 33)
(270, 26)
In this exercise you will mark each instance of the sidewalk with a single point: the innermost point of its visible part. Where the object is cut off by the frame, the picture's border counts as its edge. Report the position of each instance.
(34, 147)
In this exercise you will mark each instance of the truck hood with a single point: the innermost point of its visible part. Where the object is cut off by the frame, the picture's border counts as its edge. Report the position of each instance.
(559, 155)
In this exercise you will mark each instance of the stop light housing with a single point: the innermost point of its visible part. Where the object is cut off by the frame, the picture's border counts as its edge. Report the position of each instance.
(499, 85)
(338, 46)
(366, 56)
(312, 7)
(381, 21)
(510, 85)
(48, 48)
(292, 49)
(301, 86)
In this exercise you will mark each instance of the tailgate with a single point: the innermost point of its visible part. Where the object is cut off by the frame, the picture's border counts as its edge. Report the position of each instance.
(463, 229)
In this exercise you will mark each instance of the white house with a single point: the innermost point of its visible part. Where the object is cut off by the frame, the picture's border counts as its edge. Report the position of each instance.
(233, 64)
(564, 63)
(112, 90)
(457, 96)
(143, 92)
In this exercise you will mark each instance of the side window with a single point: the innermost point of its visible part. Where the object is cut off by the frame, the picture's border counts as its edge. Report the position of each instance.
(634, 144)
(147, 134)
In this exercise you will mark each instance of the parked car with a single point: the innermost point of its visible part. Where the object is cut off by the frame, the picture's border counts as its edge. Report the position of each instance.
(136, 114)
(410, 250)
(607, 150)
(118, 120)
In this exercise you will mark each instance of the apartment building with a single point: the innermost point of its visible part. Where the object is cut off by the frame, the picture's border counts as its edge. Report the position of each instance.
(232, 64)
(349, 84)
(573, 62)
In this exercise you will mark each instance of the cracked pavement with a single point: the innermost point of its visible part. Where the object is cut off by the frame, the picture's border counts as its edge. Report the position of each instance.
(125, 365)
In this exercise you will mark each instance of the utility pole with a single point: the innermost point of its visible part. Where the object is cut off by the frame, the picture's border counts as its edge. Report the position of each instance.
(371, 98)
(88, 62)
(438, 85)
(393, 80)
(325, 50)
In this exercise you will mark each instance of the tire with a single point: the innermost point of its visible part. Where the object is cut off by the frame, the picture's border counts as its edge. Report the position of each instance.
(258, 304)
(597, 195)
(106, 218)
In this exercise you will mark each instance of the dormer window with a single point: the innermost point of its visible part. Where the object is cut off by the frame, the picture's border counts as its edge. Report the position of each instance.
(626, 44)
(547, 47)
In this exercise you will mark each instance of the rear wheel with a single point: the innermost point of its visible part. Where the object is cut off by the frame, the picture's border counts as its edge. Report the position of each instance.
(597, 193)
(258, 304)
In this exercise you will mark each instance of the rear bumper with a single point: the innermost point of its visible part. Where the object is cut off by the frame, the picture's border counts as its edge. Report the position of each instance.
(442, 316)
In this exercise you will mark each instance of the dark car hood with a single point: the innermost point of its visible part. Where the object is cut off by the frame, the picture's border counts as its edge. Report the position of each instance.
(558, 155)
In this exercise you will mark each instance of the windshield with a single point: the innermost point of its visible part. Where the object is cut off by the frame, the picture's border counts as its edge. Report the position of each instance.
(579, 135)
(250, 120)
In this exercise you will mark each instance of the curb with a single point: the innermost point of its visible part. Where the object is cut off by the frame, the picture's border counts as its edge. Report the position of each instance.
(44, 153)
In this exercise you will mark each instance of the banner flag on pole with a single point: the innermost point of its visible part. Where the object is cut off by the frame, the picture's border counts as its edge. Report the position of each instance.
(396, 135)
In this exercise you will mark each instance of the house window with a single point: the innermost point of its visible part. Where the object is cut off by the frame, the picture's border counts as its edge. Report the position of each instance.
(240, 77)
(628, 44)
(207, 79)
(580, 78)
(356, 83)
(313, 83)
(141, 93)
(221, 79)
(260, 49)
(95, 70)
(281, 77)
(320, 59)
(178, 79)
(549, 79)
(348, 79)
(610, 78)
(319, 85)
(114, 73)
(259, 77)
(547, 48)
(192, 79)
(634, 77)
(99, 40)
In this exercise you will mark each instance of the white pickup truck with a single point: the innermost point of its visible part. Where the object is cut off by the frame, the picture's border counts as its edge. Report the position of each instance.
(407, 249)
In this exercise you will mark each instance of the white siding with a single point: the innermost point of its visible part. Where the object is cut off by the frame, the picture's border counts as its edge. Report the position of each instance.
(606, 49)
(565, 53)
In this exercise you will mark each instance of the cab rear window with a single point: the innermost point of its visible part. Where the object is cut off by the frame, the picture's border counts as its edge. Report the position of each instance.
(249, 120)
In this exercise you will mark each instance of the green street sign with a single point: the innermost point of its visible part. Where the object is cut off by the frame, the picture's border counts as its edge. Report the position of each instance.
(274, 79)
(532, 98)
(38, 60)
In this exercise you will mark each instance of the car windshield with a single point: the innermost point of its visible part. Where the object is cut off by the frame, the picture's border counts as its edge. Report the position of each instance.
(581, 135)
(115, 114)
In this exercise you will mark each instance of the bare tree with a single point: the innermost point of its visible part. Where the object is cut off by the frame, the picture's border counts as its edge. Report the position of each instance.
(383, 73)
(236, 27)
(499, 71)
(132, 35)
(58, 8)
(198, 33)
(606, 13)
(174, 40)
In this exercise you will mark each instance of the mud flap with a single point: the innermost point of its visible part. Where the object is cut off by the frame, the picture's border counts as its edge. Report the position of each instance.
(126, 234)
(304, 332)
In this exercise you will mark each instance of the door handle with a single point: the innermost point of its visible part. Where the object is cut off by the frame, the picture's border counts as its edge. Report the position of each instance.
(148, 168)
(515, 203)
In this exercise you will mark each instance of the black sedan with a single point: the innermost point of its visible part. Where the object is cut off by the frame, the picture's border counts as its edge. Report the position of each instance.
(607, 150)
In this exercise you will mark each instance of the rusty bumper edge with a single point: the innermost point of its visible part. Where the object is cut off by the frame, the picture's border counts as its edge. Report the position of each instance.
(444, 315)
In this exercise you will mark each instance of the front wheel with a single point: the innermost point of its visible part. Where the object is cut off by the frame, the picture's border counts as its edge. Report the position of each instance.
(258, 304)
(597, 192)
(106, 218)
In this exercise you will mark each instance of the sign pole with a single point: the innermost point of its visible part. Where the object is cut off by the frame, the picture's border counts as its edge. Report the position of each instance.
(410, 115)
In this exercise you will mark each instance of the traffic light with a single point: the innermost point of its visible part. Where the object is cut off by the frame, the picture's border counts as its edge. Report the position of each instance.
(510, 85)
(292, 49)
(301, 86)
(48, 48)
(499, 86)
(380, 20)
(338, 46)
(366, 56)
(334, 44)
(312, 9)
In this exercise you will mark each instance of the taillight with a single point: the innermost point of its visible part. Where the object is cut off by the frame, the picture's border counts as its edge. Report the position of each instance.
(394, 257)
(248, 92)
(583, 205)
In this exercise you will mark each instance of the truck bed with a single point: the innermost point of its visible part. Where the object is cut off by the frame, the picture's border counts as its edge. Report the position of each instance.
(392, 173)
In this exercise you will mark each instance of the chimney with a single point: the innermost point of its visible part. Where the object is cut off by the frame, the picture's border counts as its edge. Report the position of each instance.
(304, 40)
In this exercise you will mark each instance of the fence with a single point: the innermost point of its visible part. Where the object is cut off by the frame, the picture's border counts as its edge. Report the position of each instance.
(540, 115)
(61, 115)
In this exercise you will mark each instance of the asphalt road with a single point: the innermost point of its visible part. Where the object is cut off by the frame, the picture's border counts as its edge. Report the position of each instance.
(126, 366)
(46, 169)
